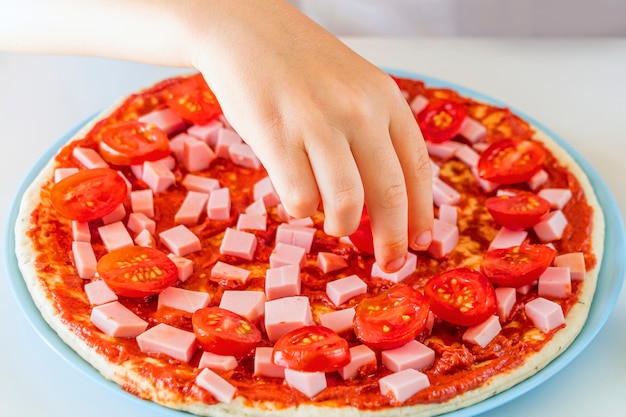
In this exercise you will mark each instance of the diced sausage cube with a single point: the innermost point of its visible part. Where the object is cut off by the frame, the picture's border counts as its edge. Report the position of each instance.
(142, 201)
(444, 150)
(295, 235)
(445, 238)
(340, 320)
(207, 132)
(165, 119)
(226, 137)
(239, 244)
(507, 238)
(62, 173)
(115, 236)
(215, 361)
(257, 208)
(404, 384)
(115, 320)
(557, 197)
(241, 154)
(537, 180)
(177, 144)
(139, 221)
(330, 262)
(180, 240)
(413, 355)
(220, 388)
(448, 214)
(284, 254)
(418, 104)
(249, 304)
(283, 281)
(265, 189)
(575, 261)
(482, 334)
(193, 182)
(505, 300)
(81, 231)
(361, 358)
(467, 155)
(551, 226)
(184, 266)
(192, 207)
(406, 271)
(285, 314)
(444, 194)
(224, 271)
(182, 299)
(157, 177)
(115, 216)
(263, 365)
(555, 282)
(472, 130)
(197, 155)
(343, 289)
(218, 207)
(308, 383)
(145, 239)
(252, 222)
(98, 292)
(163, 338)
(89, 158)
(546, 315)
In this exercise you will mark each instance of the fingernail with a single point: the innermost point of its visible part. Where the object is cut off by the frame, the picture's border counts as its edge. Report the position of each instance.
(424, 240)
(395, 265)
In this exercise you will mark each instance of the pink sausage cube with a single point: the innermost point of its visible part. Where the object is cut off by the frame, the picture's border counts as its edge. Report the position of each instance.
(215, 361)
(165, 119)
(507, 238)
(177, 144)
(89, 158)
(218, 206)
(207, 132)
(445, 238)
(249, 304)
(557, 197)
(413, 355)
(142, 201)
(224, 271)
(444, 150)
(184, 266)
(221, 389)
(555, 282)
(418, 104)
(239, 244)
(285, 314)
(444, 194)
(115, 236)
(139, 221)
(546, 315)
(551, 226)
(302, 222)
(192, 207)
(505, 300)
(182, 299)
(168, 162)
(343, 289)
(467, 155)
(98, 292)
(63, 173)
(180, 240)
(308, 383)
(263, 364)
(251, 222)
(283, 281)
(157, 177)
(163, 338)
(81, 231)
(330, 262)
(295, 235)
(472, 130)
(482, 334)
(257, 208)
(241, 154)
(193, 182)
(448, 214)
(340, 320)
(265, 189)
(537, 180)
(361, 358)
(575, 261)
(284, 254)
(404, 384)
(115, 320)
(225, 139)
(197, 156)
(406, 271)
(115, 216)
(145, 239)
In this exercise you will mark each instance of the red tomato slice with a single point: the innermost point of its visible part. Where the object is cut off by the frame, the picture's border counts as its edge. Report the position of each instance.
(362, 238)
(311, 349)
(441, 119)
(511, 161)
(461, 296)
(392, 318)
(133, 143)
(89, 194)
(194, 101)
(517, 212)
(137, 271)
(516, 266)
(223, 332)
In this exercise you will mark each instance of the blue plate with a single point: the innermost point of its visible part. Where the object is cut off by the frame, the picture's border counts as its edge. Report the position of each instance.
(608, 288)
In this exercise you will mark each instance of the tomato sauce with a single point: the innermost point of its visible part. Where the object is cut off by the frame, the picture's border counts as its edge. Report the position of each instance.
(457, 369)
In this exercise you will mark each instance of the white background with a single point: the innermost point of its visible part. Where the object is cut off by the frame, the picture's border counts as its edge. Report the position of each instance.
(575, 87)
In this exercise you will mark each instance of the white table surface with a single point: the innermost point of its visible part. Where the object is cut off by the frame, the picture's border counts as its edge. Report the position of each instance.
(577, 88)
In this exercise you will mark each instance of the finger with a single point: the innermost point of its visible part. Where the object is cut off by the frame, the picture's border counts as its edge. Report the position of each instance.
(338, 180)
(415, 162)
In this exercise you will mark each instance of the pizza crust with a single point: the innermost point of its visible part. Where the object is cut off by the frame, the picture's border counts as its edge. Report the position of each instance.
(132, 380)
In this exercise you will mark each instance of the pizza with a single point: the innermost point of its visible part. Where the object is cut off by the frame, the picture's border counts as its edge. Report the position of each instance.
(155, 245)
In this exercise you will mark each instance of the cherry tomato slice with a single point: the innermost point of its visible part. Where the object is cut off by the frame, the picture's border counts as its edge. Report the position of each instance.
(517, 212)
(511, 161)
(516, 266)
(194, 101)
(89, 194)
(392, 318)
(223, 332)
(461, 296)
(362, 238)
(311, 349)
(137, 271)
(133, 143)
(441, 119)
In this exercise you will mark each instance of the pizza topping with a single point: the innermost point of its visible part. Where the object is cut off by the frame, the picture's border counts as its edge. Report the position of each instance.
(546, 315)
(132, 143)
(115, 236)
(283, 281)
(506, 238)
(557, 197)
(220, 388)
(191, 208)
(575, 261)
(157, 176)
(194, 101)
(311, 349)
(551, 227)
(521, 211)
(242, 155)
(165, 119)
(284, 254)
(89, 194)
(516, 266)
(401, 274)
(340, 321)
(308, 383)
(219, 204)
(483, 333)
(444, 194)
(263, 365)
(392, 318)
(197, 155)
(441, 119)
(404, 384)
(414, 355)
(182, 299)
(330, 262)
(510, 161)
(343, 289)
(137, 271)
(445, 238)
(183, 265)
(247, 303)
(226, 273)
(168, 340)
(114, 319)
(461, 296)
(180, 240)
(84, 259)
(555, 282)
(89, 158)
(472, 130)
(285, 314)
(362, 364)
(98, 293)
(506, 297)
(223, 332)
